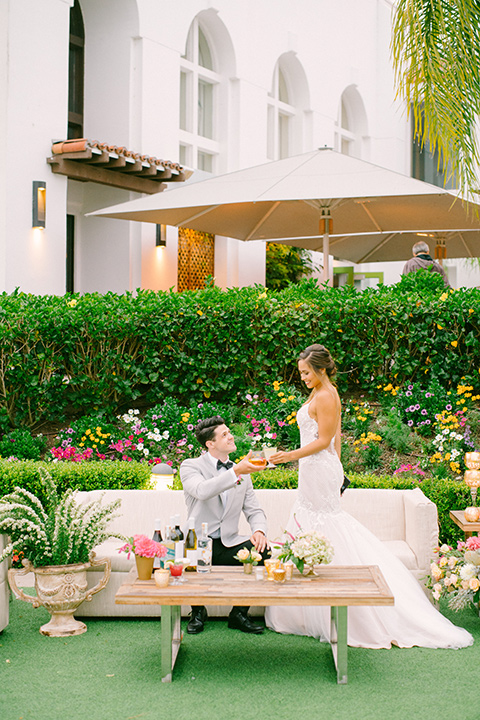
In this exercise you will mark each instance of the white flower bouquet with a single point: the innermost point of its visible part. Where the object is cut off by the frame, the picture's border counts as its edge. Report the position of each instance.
(306, 549)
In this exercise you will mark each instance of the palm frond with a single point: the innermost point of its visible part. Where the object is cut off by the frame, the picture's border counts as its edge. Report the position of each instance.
(436, 54)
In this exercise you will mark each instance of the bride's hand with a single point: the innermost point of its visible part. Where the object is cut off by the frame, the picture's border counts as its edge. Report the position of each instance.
(280, 457)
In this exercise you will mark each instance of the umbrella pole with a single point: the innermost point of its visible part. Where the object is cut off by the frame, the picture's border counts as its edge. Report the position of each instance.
(325, 228)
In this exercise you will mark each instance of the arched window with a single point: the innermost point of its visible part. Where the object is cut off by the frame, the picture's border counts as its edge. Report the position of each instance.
(280, 114)
(287, 102)
(199, 85)
(76, 68)
(351, 125)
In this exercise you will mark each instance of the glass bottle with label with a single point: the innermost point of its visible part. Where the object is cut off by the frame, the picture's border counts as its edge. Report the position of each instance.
(204, 551)
(170, 545)
(191, 546)
(157, 537)
(177, 537)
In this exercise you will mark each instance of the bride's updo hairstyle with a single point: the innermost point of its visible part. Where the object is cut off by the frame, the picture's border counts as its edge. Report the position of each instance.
(319, 358)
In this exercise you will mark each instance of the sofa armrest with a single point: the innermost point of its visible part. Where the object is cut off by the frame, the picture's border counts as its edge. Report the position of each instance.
(421, 526)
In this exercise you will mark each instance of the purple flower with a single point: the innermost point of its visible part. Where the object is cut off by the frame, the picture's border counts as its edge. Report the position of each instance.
(417, 407)
(408, 393)
(448, 407)
(410, 423)
(424, 412)
(189, 427)
(428, 422)
(410, 387)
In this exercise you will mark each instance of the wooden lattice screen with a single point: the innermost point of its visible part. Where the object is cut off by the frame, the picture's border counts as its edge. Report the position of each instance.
(195, 258)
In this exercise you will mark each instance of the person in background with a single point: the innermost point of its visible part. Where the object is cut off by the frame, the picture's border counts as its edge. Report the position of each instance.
(422, 259)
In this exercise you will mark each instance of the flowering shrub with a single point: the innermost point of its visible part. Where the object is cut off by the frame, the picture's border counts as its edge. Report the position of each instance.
(22, 445)
(409, 469)
(455, 574)
(356, 417)
(142, 546)
(271, 419)
(451, 441)
(85, 439)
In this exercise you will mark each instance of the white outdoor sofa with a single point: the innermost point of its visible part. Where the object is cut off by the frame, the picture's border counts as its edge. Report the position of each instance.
(4, 588)
(405, 520)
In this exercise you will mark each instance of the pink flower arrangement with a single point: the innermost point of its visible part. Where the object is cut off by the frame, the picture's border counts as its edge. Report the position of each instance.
(144, 547)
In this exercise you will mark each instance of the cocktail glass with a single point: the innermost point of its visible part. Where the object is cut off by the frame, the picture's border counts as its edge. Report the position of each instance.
(176, 571)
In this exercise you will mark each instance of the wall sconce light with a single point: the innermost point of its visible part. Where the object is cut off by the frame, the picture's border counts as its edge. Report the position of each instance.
(39, 204)
(161, 236)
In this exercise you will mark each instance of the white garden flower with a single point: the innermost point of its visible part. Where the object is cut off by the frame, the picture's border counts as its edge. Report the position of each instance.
(467, 571)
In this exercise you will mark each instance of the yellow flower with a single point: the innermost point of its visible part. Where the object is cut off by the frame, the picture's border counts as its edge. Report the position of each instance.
(283, 400)
(454, 343)
(291, 397)
(263, 295)
(470, 311)
(88, 432)
(199, 381)
(339, 330)
(440, 327)
(281, 394)
(199, 312)
(444, 296)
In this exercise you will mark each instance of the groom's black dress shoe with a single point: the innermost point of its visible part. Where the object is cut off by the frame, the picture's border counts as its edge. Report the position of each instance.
(238, 621)
(197, 620)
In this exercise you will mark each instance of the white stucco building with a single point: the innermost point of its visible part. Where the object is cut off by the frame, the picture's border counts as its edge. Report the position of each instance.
(213, 87)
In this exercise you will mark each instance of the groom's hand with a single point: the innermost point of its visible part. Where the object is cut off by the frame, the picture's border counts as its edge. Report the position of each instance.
(245, 466)
(259, 541)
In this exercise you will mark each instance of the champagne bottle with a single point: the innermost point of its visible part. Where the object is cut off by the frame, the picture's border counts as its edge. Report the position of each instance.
(170, 545)
(157, 537)
(191, 546)
(204, 550)
(177, 537)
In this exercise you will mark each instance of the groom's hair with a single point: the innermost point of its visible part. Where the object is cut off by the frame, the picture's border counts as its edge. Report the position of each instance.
(205, 429)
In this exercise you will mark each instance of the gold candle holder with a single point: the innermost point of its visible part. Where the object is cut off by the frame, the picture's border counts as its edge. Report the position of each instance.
(472, 460)
(472, 479)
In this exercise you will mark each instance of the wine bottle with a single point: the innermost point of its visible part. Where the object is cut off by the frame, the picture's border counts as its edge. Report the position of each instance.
(157, 537)
(191, 546)
(204, 551)
(177, 537)
(170, 545)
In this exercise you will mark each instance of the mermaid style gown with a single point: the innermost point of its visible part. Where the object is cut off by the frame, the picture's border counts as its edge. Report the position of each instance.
(411, 621)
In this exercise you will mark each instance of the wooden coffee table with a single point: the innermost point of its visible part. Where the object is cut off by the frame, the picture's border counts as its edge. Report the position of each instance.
(338, 587)
(458, 517)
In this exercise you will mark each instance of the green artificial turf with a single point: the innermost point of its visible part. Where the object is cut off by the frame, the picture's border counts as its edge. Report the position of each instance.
(112, 673)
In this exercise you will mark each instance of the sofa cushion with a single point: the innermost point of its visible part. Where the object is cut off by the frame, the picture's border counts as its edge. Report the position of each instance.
(402, 551)
(382, 511)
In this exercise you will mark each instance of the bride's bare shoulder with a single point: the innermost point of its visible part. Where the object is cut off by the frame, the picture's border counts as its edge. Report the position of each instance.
(326, 401)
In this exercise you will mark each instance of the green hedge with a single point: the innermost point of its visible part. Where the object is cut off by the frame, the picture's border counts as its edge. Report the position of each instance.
(446, 494)
(61, 356)
(78, 476)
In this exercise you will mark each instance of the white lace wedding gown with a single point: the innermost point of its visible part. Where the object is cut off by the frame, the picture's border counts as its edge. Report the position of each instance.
(411, 621)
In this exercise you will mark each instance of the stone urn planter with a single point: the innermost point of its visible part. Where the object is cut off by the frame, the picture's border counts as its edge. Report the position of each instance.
(60, 590)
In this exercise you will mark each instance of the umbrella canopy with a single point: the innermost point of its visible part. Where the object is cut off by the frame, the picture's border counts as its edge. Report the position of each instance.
(386, 247)
(288, 198)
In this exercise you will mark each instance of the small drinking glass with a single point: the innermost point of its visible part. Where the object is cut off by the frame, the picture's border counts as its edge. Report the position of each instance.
(268, 451)
(258, 459)
(176, 571)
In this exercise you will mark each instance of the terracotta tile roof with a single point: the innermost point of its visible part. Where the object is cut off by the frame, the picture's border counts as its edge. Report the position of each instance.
(89, 160)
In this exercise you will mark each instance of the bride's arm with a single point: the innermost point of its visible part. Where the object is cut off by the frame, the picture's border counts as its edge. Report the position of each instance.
(324, 411)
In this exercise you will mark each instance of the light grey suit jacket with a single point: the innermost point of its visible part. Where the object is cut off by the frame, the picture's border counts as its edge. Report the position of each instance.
(202, 485)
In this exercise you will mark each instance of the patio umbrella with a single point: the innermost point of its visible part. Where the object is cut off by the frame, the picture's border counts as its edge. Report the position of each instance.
(386, 247)
(299, 197)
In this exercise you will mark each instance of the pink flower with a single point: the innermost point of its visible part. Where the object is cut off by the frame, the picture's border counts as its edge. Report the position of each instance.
(473, 543)
(144, 547)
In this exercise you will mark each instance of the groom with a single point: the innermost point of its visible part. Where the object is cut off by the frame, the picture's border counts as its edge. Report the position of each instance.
(217, 491)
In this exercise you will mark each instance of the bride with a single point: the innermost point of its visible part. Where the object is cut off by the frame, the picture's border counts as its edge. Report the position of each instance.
(412, 620)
